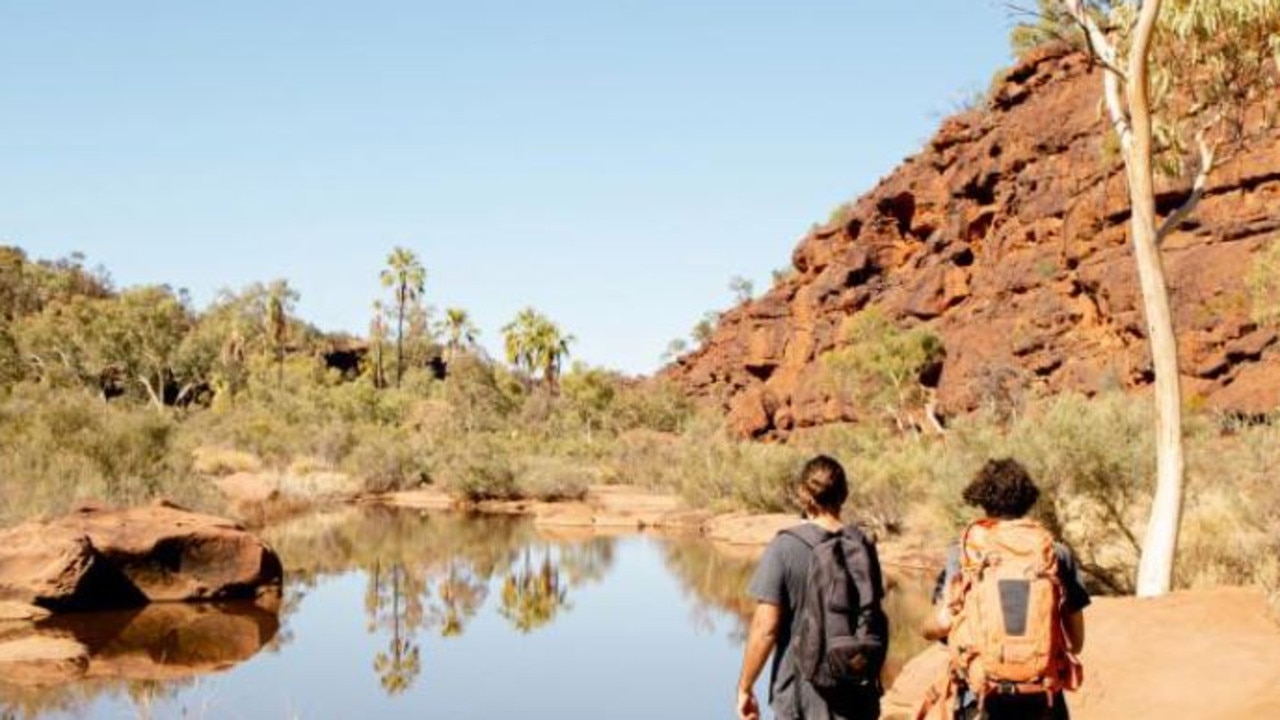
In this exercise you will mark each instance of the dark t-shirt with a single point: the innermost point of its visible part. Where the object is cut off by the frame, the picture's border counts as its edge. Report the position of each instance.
(779, 580)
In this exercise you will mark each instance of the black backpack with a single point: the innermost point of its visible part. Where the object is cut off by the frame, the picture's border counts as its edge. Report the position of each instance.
(841, 633)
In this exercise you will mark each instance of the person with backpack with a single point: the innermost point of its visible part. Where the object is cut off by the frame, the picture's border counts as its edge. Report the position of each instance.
(1010, 609)
(818, 592)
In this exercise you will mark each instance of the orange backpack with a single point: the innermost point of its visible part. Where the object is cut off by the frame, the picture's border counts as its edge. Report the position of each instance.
(1007, 634)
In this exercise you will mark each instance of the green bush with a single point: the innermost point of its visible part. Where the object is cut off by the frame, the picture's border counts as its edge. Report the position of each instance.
(63, 447)
(552, 479)
(386, 460)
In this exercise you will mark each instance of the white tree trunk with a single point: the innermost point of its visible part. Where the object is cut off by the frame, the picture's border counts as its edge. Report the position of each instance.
(1155, 570)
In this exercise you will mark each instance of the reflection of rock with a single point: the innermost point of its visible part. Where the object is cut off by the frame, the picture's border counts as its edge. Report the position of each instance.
(98, 557)
(162, 641)
(42, 660)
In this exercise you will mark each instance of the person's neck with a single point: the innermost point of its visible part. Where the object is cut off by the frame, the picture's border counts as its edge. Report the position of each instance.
(826, 521)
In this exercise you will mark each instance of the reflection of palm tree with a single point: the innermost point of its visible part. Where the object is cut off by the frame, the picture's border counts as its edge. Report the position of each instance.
(588, 561)
(531, 597)
(399, 665)
(461, 593)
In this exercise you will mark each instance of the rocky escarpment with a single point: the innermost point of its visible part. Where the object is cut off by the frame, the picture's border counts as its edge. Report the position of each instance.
(1006, 236)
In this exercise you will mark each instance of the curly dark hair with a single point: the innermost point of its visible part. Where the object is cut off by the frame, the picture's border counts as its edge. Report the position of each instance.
(1003, 489)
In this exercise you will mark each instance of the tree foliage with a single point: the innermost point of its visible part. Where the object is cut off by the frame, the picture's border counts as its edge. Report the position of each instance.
(880, 365)
(536, 346)
(406, 278)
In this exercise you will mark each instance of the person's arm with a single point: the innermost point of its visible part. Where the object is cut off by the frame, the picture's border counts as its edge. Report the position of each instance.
(937, 626)
(761, 639)
(1074, 624)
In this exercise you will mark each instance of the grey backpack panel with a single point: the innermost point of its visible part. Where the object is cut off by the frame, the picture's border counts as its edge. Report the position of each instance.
(842, 633)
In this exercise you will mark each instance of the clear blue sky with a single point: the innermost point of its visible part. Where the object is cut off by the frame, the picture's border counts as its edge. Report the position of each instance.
(612, 163)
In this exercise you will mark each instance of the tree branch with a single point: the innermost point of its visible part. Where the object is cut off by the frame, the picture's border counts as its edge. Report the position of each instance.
(1207, 153)
(1101, 50)
(146, 383)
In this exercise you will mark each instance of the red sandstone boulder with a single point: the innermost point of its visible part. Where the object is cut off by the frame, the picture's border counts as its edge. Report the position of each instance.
(57, 567)
(99, 557)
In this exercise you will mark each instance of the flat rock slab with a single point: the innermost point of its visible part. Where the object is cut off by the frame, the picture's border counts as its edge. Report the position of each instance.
(21, 612)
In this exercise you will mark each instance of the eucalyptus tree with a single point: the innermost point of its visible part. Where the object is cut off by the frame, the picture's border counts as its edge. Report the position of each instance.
(1176, 72)
(407, 279)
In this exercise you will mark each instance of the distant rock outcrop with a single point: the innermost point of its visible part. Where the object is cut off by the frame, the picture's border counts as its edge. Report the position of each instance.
(99, 558)
(1006, 235)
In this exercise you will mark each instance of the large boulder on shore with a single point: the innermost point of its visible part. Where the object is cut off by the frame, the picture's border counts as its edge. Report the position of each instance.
(98, 557)
(58, 568)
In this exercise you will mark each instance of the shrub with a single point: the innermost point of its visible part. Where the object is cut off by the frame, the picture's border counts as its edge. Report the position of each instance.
(219, 461)
(880, 367)
(388, 460)
(552, 479)
(63, 447)
(476, 478)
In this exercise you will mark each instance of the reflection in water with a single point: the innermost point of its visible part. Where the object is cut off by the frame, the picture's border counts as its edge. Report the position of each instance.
(398, 611)
(718, 582)
(531, 596)
(432, 572)
(404, 587)
(145, 653)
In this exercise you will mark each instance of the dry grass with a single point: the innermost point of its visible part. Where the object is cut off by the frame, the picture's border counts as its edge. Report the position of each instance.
(221, 461)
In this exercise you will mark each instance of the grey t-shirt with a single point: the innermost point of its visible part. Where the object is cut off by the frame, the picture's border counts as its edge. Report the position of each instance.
(779, 580)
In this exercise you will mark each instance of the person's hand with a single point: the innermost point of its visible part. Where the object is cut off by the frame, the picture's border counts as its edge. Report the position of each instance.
(748, 708)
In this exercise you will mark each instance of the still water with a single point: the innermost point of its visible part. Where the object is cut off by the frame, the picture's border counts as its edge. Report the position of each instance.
(390, 614)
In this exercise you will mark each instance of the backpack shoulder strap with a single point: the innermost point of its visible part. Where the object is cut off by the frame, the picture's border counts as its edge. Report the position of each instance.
(808, 533)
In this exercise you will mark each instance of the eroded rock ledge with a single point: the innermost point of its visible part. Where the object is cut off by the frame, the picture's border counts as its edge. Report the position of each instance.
(1006, 236)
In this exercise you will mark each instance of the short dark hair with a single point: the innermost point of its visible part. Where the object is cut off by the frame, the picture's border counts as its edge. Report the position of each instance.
(1003, 489)
(823, 484)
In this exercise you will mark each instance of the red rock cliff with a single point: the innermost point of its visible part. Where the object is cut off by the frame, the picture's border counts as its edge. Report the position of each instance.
(1007, 237)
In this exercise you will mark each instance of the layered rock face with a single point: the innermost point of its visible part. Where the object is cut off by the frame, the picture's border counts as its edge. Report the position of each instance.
(1007, 237)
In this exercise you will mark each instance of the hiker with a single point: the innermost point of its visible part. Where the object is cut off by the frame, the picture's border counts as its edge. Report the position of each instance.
(1007, 579)
(827, 645)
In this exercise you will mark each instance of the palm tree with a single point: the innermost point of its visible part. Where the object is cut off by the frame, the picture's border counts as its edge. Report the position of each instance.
(279, 298)
(378, 336)
(553, 348)
(407, 278)
(536, 345)
(459, 331)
